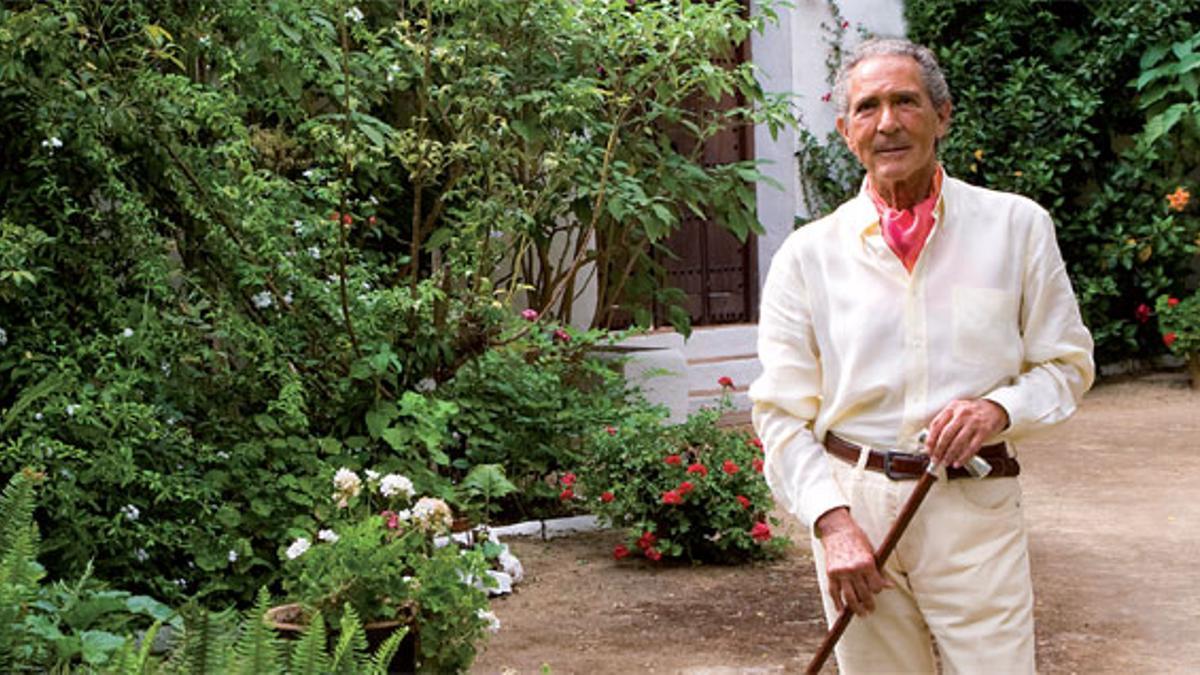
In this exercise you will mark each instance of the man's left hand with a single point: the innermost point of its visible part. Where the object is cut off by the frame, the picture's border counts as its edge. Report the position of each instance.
(961, 428)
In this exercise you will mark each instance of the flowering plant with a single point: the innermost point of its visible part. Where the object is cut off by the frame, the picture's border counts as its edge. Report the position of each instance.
(384, 551)
(693, 491)
(1179, 321)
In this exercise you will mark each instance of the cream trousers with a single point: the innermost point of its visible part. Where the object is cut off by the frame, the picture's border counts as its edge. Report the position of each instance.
(961, 575)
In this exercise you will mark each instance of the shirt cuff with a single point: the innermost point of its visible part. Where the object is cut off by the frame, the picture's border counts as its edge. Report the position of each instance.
(1010, 399)
(818, 500)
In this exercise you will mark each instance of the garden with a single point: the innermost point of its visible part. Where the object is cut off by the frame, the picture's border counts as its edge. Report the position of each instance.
(288, 318)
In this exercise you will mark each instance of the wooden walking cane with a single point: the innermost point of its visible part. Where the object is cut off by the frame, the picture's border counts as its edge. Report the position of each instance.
(978, 468)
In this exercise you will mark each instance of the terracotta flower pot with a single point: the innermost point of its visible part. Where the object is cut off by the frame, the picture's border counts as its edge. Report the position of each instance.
(290, 621)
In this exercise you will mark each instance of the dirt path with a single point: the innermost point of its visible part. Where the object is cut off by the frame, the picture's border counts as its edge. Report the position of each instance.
(1113, 507)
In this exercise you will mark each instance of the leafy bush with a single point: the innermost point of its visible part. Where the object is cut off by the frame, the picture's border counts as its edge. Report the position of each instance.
(1080, 87)
(692, 491)
(1179, 323)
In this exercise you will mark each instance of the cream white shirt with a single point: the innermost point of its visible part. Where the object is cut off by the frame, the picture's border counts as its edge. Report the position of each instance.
(851, 342)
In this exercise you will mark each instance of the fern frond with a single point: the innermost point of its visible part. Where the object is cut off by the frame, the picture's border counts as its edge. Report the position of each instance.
(16, 506)
(351, 644)
(382, 660)
(308, 656)
(207, 640)
(258, 650)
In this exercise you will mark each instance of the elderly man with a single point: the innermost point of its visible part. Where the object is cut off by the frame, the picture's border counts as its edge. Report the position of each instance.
(923, 304)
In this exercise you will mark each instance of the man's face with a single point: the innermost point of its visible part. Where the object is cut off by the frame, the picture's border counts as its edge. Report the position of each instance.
(891, 124)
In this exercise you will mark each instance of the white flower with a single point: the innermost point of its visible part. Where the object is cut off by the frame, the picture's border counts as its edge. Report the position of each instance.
(328, 535)
(426, 385)
(432, 513)
(130, 512)
(262, 300)
(53, 143)
(347, 482)
(232, 556)
(404, 516)
(298, 225)
(71, 408)
(182, 583)
(165, 367)
(287, 298)
(297, 548)
(372, 476)
(221, 454)
(3, 337)
(37, 416)
(394, 484)
(373, 200)
(308, 173)
(128, 332)
(314, 252)
(354, 14)
(141, 555)
(204, 40)
(493, 623)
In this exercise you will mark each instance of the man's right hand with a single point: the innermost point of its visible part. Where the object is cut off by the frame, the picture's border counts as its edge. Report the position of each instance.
(849, 563)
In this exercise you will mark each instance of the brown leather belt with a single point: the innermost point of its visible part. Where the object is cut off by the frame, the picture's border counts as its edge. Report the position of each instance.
(909, 466)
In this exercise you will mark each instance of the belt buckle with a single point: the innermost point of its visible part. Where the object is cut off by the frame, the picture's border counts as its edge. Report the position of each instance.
(896, 475)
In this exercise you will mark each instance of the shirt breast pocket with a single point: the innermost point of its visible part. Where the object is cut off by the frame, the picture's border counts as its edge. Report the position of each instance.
(985, 326)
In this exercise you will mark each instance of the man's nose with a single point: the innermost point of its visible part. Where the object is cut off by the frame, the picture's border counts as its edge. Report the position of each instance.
(888, 121)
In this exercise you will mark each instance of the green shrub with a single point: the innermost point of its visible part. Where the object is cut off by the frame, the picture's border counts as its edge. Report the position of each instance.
(692, 491)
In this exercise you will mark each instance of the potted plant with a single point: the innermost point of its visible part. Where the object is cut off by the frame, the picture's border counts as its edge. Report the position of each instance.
(384, 551)
(1179, 321)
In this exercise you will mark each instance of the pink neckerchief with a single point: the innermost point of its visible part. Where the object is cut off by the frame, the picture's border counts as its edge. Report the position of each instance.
(905, 231)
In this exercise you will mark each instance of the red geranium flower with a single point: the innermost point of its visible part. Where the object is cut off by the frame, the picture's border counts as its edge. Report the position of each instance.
(568, 479)
(371, 220)
(725, 381)
(561, 335)
(674, 460)
(346, 219)
(1171, 302)
(566, 494)
(606, 497)
(826, 96)
(685, 487)
(757, 464)
(672, 497)
(646, 540)
(743, 501)
(620, 552)
(612, 431)
(845, 25)
(653, 554)
(1142, 313)
(756, 442)
(336, 216)
(760, 532)
(698, 468)
(1169, 338)
(529, 314)
(730, 467)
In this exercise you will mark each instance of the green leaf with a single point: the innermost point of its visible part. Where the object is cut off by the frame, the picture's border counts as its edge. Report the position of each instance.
(144, 604)
(99, 645)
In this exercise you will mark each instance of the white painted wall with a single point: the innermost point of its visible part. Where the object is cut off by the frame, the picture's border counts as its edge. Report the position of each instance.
(790, 57)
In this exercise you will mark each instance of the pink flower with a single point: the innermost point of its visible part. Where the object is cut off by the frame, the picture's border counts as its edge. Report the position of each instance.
(674, 460)
(698, 468)
(653, 554)
(826, 96)
(845, 25)
(760, 532)
(757, 464)
(566, 495)
(371, 220)
(529, 314)
(561, 335)
(568, 479)
(607, 497)
(1142, 313)
(1169, 338)
(743, 501)
(730, 467)
(672, 497)
(685, 487)
(725, 381)
(620, 552)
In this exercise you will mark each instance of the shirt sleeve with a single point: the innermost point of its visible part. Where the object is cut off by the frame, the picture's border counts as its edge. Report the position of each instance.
(1058, 366)
(787, 396)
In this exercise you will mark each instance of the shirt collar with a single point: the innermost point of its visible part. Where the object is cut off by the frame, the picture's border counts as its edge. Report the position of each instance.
(860, 213)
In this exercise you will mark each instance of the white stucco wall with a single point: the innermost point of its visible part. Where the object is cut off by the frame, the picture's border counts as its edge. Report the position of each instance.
(790, 57)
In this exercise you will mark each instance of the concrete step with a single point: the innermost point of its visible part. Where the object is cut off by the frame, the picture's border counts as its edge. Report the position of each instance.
(703, 375)
(708, 342)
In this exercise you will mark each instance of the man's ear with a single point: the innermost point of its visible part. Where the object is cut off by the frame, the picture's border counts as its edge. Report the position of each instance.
(944, 113)
(840, 123)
